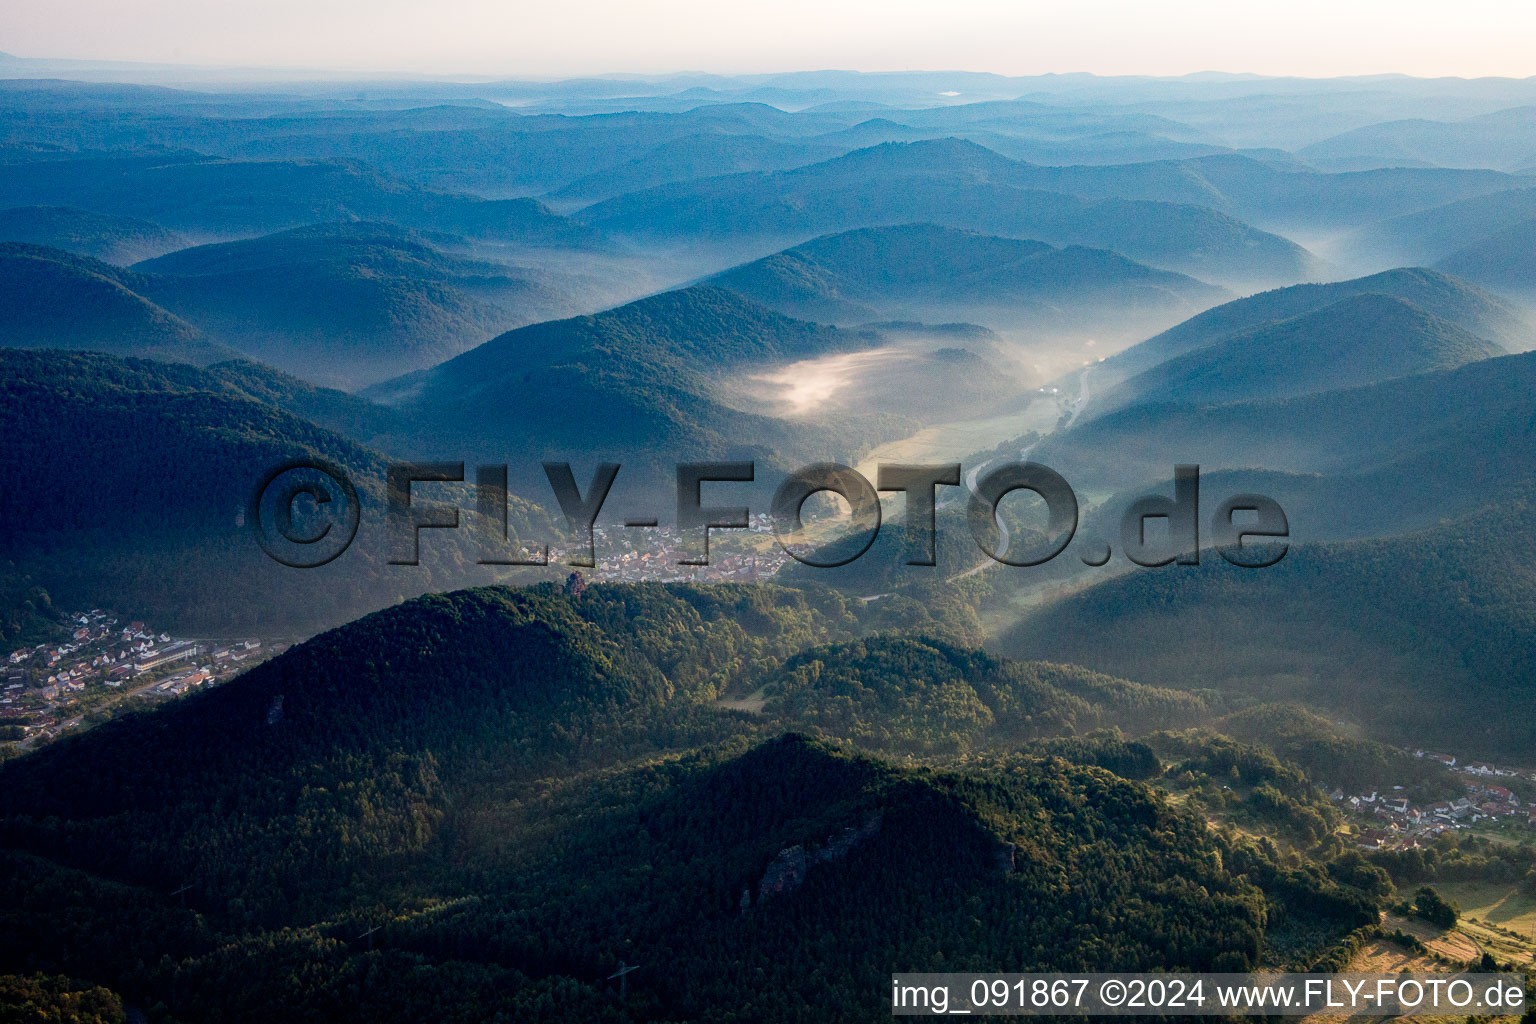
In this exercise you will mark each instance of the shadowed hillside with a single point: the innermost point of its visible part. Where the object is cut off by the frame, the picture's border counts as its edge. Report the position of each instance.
(1502, 261)
(130, 482)
(1445, 297)
(116, 240)
(53, 299)
(1358, 340)
(1414, 637)
(923, 271)
(346, 304)
(955, 184)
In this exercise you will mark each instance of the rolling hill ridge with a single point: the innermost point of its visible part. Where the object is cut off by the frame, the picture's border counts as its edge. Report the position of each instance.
(923, 270)
(346, 304)
(1359, 340)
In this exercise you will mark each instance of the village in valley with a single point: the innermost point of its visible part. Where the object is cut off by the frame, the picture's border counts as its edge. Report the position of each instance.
(102, 664)
(1394, 821)
(650, 554)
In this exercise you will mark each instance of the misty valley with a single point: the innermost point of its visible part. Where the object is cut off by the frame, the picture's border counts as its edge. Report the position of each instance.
(662, 548)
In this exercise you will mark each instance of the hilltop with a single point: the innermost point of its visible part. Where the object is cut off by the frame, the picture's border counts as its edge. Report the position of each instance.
(53, 299)
(640, 383)
(111, 239)
(955, 184)
(924, 271)
(1358, 340)
(345, 304)
(1441, 295)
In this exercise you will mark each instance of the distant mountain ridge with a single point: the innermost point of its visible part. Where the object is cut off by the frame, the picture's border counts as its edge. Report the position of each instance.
(870, 274)
(1501, 140)
(53, 299)
(693, 156)
(116, 240)
(1358, 340)
(635, 381)
(1436, 293)
(955, 184)
(222, 198)
(346, 304)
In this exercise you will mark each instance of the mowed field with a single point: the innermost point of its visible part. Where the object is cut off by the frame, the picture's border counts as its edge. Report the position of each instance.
(1450, 950)
(1495, 903)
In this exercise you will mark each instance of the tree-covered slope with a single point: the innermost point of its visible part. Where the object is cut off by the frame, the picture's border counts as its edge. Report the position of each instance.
(1470, 424)
(903, 694)
(923, 269)
(345, 304)
(734, 870)
(1502, 261)
(1358, 340)
(1446, 297)
(109, 238)
(53, 299)
(435, 697)
(127, 483)
(436, 769)
(346, 414)
(638, 384)
(1429, 637)
(1427, 236)
(955, 184)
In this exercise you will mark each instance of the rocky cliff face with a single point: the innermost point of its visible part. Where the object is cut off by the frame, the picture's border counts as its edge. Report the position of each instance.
(786, 872)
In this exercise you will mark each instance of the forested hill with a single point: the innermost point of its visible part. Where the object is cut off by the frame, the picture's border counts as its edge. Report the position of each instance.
(1417, 637)
(53, 299)
(736, 867)
(113, 239)
(91, 431)
(1446, 297)
(639, 383)
(903, 694)
(1471, 424)
(946, 273)
(347, 304)
(127, 483)
(1358, 340)
(1500, 261)
(445, 689)
(738, 874)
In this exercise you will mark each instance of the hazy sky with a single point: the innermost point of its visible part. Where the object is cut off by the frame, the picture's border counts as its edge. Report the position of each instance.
(562, 37)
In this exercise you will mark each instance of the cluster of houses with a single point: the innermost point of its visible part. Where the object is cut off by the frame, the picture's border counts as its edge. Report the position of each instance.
(44, 684)
(651, 554)
(1404, 824)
